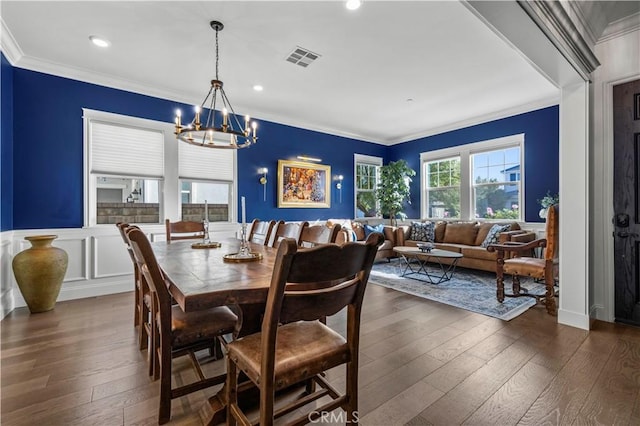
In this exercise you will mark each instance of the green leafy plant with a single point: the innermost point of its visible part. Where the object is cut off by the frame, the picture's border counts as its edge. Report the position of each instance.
(549, 200)
(393, 189)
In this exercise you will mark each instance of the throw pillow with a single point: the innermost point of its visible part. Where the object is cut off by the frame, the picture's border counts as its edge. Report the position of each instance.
(368, 229)
(422, 231)
(494, 234)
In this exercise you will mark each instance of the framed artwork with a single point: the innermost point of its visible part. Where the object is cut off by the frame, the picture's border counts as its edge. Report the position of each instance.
(302, 184)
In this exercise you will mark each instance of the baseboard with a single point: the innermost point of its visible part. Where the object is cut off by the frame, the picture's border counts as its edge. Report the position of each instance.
(574, 319)
(6, 303)
(83, 291)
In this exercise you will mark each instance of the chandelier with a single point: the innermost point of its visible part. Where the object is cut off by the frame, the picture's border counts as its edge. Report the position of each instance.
(225, 133)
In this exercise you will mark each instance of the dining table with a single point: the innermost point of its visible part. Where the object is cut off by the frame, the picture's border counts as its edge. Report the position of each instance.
(200, 278)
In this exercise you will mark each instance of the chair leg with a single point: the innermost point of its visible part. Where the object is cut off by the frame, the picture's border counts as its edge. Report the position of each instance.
(516, 285)
(136, 303)
(267, 397)
(352, 392)
(164, 411)
(500, 288)
(549, 297)
(232, 391)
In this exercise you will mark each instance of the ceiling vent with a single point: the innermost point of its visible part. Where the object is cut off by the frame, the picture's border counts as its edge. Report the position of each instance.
(301, 56)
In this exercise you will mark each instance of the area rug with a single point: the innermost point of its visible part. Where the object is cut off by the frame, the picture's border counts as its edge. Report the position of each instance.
(468, 289)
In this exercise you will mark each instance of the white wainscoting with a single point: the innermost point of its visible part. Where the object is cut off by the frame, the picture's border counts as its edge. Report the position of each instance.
(98, 260)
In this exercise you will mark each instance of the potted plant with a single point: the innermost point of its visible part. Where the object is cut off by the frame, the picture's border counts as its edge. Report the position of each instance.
(547, 201)
(393, 189)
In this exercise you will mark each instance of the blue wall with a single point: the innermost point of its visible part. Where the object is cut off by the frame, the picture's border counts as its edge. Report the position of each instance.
(541, 152)
(42, 172)
(6, 144)
(48, 166)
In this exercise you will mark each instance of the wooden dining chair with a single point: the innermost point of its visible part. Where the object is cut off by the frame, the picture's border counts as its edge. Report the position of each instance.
(543, 268)
(184, 230)
(177, 333)
(284, 230)
(293, 346)
(142, 298)
(319, 234)
(260, 231)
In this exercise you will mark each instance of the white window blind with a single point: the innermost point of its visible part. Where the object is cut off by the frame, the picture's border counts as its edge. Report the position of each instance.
(126, 150)
(196, 162)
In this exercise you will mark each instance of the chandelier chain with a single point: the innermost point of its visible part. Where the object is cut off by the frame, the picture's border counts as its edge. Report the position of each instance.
(217, 56)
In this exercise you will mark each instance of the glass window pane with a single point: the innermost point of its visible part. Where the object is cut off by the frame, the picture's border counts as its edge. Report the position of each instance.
(497, 201)
(216, 194)
(126, 199)
(366, 204)
(444, 203)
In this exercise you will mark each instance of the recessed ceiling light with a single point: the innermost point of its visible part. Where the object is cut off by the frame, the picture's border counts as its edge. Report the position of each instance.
(98, 41)
(353, 4)
(258, 88)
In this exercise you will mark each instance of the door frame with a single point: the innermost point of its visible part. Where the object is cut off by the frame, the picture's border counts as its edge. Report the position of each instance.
(608, 133)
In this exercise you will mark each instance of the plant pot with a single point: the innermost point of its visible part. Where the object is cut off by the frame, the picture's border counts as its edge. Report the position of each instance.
(543, 213)
(39, 271)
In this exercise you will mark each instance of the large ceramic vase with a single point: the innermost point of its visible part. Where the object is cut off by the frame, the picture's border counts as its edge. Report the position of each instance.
(39, 271)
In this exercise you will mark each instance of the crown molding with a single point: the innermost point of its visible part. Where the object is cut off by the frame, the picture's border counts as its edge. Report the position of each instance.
(497, 115)
(583, 22)
(620, 27)
(8, 44)
(554, 21)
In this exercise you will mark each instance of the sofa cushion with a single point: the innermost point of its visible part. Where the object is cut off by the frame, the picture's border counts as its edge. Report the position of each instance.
(460, 233)
(494, 234)
(483, 230)
(439, 231)
(451, 247)
(422, 231)
(477, 252)
(368, 229)
(485, 227)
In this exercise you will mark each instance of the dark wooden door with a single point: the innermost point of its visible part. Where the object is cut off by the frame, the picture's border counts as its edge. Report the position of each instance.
(626, 201)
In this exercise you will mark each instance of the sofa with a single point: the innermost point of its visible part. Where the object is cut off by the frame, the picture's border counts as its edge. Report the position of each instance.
(358, 231)
(468, 238)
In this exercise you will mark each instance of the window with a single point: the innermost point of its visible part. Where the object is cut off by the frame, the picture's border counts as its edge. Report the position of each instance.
(137, 172)
(366, 182)
(443, 188)
(496, 186)
(201, 183)
(479, 180)
(127, 187)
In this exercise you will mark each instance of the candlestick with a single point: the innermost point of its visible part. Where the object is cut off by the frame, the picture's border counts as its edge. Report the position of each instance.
(206, 211)
(243, 212)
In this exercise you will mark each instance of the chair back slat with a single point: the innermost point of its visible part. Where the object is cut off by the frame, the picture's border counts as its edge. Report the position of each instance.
(260, 231)
(314, 304)
(284, 230)
(319, 234)
(342, 270)
(184, 230)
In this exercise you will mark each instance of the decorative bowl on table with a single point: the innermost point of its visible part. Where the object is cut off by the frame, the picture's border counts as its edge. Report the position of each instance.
(425, 247)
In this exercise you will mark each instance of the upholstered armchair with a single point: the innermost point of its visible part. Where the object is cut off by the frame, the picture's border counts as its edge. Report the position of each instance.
(542, 268)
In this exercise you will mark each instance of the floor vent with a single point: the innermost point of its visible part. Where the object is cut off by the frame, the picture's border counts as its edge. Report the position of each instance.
(301, 56)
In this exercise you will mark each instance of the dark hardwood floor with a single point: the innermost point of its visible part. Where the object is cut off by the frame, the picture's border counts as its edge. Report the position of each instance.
(421, 363)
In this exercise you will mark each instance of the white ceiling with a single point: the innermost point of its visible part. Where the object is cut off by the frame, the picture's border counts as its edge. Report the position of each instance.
(373, 60)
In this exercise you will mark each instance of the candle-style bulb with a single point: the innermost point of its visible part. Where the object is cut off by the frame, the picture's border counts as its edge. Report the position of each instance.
(254, 126)
(197, 119)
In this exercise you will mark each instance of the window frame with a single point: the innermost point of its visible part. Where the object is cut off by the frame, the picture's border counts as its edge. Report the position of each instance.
(464, 152)
(370, 161)
(170, 191)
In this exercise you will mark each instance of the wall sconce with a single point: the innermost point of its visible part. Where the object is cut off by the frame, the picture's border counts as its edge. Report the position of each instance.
(307, 158)
(339, 179)
(263, 181)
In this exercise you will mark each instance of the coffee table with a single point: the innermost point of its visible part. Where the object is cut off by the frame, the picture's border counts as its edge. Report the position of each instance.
(413, 256)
